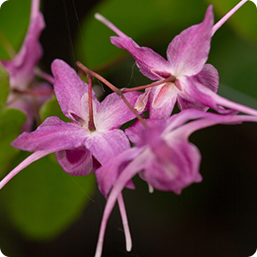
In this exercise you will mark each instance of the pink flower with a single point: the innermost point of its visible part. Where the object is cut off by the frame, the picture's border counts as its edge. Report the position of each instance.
(25, 93)
(163, 157)
(193, 84)
(78, 150)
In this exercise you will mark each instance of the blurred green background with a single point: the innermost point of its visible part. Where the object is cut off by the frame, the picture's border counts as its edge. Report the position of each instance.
(45, 212)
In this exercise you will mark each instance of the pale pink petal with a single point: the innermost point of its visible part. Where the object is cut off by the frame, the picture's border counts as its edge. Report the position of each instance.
(142, 100)
(162, 99)
(188, 52)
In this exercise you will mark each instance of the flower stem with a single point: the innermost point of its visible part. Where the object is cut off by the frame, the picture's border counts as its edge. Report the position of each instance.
(171, 79)
(91, 125)
(113, 88)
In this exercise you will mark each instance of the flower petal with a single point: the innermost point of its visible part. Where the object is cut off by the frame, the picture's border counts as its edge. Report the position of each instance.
(21, 67)
(188, 52)
(32, 158)
(109, 172)
(112, 112)
(106, 145)
(172, 167)
(163, 99)
(68, 87)
(132, 169)
(76, 162)
(146, 59)
(53, 135)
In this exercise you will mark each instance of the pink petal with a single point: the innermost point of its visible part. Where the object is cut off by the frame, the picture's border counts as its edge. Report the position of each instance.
(113, 112)
(53, 135)
(146, 59)
(125, 176)
(188, 52)
(107, 144)
(32, 158)
(109, 172)
(68, 87)
(172, 167)
(76, 162)
(21, 67)
(162, 99)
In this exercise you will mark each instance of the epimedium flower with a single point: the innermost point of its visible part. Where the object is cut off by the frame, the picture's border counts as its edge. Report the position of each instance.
(80, 146)
(162, 155)
(192, 83)
(79, 149)
(26, 94)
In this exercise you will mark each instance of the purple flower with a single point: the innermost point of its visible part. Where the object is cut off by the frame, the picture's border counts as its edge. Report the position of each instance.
(78, 150)
(163, 156)
(26, 94)
(193, 84)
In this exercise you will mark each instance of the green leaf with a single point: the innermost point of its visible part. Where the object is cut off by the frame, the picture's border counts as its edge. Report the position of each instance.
(52, 108)
(42, 200)
(14, 20)
(4, 85)
(11, 121)
(144, 21)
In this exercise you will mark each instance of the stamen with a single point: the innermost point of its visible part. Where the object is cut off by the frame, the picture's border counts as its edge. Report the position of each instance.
(227, 16)
(113, 88)
(76, 118)
(125, 223)
(150, 189)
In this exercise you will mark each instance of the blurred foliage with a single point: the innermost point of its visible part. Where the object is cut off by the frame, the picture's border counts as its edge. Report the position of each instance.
(142, 20)
(52, 199)
(11, 121)
(14, 20)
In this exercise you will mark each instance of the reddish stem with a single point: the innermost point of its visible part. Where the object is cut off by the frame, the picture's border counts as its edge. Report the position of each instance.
(170, 79)
(91, 125)
(113, 88)
(34, 93)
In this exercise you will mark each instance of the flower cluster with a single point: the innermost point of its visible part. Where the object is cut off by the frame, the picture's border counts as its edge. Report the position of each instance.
(92, 142)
